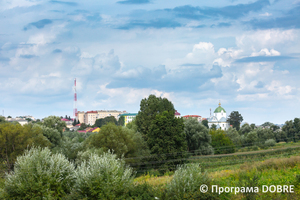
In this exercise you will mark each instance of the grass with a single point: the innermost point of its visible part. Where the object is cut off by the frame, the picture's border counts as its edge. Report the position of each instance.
(282, 167)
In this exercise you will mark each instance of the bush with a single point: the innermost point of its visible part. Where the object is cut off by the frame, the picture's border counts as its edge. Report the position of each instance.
(186, 182)
(103, 177)
(39, 174)
(270, 143)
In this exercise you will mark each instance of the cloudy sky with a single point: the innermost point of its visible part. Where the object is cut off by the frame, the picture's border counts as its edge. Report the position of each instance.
(244, 53)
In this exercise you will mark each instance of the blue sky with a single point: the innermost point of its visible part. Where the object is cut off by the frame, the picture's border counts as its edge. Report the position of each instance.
(244, 53)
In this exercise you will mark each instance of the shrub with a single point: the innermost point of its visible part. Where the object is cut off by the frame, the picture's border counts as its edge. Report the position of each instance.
(270, 143)
(39, 174)
(103, 177)
(186, 182)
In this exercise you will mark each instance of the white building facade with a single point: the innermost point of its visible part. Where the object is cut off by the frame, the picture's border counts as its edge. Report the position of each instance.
(219, 119)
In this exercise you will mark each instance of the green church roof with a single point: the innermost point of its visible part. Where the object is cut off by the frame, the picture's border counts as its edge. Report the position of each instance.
(219, 109)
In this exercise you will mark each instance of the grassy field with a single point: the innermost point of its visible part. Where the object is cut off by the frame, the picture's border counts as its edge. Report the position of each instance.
(277, 166)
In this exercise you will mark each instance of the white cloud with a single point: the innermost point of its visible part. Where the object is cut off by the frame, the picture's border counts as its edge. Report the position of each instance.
(266, 52)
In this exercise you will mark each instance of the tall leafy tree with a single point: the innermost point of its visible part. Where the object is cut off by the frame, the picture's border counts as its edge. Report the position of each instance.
(2, 119)
(205, 123)
(166, 138)
(246, 128)
(234, 135)
(235, 119)
(121, 121)
(102, 121)
(221, 143)
(54, 122)
(149, 108)
(15, 138)
(197, 137)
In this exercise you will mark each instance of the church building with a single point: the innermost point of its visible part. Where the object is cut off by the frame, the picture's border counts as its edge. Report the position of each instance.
(219, 119)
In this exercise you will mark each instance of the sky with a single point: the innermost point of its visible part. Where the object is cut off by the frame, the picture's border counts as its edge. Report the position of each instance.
(243, 53)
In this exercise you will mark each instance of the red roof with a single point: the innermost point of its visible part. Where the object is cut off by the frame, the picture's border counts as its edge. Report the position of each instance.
(91, 112)
(187, 116)
(177, 113)
(81, 131)
(77, 124)
(65, 120)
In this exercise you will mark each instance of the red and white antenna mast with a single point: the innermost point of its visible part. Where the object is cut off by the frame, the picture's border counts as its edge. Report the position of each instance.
(75, 101)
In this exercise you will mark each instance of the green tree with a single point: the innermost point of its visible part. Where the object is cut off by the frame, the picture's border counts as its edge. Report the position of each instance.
(235, 119)
(234, 135)
(267, 124)
(121, 121)
(205, 123)
(221, 143)
(9, 116)
(2, 119)
(51, 134)
(253, 126)
(166, 138)
(118, 139)
(213, 127)
(251, 138)
(54, 122)
(197, 137)
(15, 138)
(149, 108)
(290, 130)
(39, 174)
(274, 127)
(246, 128)
(83, 126)
(102, 121)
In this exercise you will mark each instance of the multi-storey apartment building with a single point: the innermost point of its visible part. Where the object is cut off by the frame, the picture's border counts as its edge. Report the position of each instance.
(90, 117)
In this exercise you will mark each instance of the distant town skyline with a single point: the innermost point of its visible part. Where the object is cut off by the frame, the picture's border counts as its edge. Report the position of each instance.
(244, 53)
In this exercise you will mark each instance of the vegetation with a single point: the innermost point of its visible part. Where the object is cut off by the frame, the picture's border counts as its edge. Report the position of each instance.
(197, 137)
(235, 119)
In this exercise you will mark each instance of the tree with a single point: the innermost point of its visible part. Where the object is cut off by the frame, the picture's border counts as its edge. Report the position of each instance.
(9, 116)
(267, 124)
(221, 142)
(274, 127)
(213, 127)
(149, 108)
(234, 135)
(253, 126)
(250, 139)
(121, 121)
(120, 140)
(83, 126)
(291, 131)
(166, 138)
(246, 128)
(54, 122)
(15, 138)
(235, 119)
(51, 134)
(205, 123)
(39, 174)
(197, 137)
(2, 119)
(102, 121)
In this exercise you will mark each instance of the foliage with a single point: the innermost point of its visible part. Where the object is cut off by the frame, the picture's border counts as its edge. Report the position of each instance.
(246, 128)
(186, 181)
(280, 136)
(149, 108)
(83, 126)
(221, 143)
(121, 121)
(250, 139)
(235, 119)
(15, 138)
(103, 177)
(71, 143)
(267, 124)
(292, 129)
(213, 127)
(54, 122)
(38, 174)
(51, 134)
(166, 137)
(120, 140)
(270, 143)
(103, 121)
(2, 119)
(205, 123)
(234, 135)
(197, 137)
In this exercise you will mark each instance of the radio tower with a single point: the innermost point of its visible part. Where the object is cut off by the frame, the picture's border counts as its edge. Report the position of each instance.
(75, 101)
